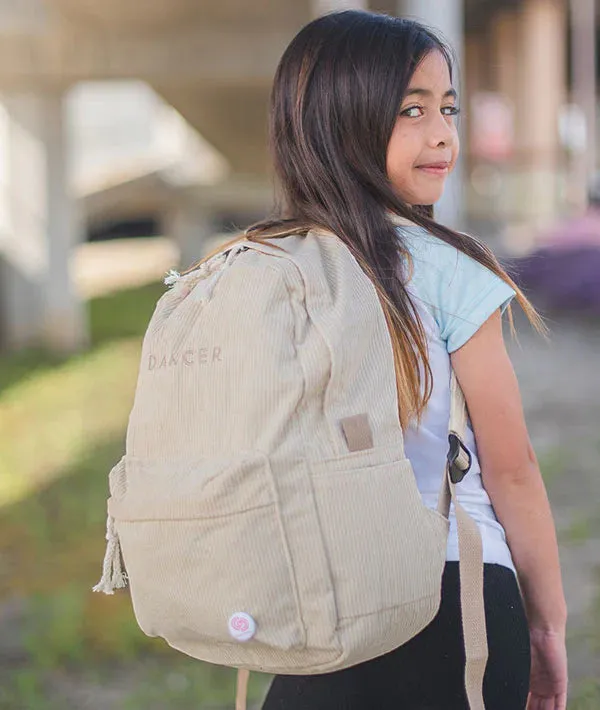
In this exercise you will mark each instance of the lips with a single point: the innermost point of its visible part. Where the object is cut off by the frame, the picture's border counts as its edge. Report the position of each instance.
(440, 168)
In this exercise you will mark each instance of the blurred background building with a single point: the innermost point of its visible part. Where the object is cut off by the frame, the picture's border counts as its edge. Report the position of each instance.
(121, 119)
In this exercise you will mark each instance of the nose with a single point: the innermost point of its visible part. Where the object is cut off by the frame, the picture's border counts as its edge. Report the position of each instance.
(442, 132)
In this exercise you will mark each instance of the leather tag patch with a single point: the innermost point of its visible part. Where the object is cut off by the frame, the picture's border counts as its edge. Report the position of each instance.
(357, 432)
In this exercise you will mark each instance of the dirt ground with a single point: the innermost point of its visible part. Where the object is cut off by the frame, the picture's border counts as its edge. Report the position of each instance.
(560, 385)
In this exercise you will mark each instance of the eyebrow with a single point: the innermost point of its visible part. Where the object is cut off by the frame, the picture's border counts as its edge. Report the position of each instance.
(451, 93)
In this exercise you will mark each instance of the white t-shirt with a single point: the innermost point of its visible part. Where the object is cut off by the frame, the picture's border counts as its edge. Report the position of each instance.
(454, 295)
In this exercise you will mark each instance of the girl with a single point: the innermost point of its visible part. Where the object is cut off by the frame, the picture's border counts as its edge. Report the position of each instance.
(363, 135)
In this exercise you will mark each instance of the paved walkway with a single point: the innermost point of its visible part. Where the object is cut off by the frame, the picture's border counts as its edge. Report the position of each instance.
(104, 267)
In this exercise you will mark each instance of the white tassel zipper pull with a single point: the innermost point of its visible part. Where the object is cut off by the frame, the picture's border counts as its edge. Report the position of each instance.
(203, 295)
(172, 278)
(113, 575)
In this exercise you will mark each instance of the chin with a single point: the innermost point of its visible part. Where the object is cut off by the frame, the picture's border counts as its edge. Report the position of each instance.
(427, 199)
(428, 196)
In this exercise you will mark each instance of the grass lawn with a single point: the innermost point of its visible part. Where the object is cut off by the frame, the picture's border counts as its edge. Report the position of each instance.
(62, 427)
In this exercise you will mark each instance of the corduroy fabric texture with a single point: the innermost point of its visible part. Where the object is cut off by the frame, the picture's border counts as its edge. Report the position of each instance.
(240, 492)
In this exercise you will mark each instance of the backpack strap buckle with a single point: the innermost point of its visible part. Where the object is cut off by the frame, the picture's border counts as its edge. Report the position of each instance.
(459, 458)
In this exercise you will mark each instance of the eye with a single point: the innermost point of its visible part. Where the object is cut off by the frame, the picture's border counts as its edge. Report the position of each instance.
(450, 110)
(412, 111)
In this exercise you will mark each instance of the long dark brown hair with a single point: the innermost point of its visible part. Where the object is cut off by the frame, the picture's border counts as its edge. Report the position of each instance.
(334, 103)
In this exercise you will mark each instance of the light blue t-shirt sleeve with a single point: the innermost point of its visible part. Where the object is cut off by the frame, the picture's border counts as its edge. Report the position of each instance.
(460, 292)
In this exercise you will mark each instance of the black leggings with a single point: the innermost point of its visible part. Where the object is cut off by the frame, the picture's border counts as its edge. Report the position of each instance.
(427, 672)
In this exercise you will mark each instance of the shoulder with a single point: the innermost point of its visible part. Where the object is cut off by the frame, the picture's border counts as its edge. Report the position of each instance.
(460, 292)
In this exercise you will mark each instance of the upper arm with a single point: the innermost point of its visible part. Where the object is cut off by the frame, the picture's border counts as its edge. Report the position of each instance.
(488, 381)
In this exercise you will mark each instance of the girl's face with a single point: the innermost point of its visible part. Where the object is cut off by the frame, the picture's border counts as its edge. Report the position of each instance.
(424, 144)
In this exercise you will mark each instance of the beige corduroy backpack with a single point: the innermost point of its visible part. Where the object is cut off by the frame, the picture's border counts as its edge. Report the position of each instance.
(264, 509)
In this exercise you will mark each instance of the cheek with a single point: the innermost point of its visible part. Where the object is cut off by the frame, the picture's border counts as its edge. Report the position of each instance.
(401, 155)
(455, 147)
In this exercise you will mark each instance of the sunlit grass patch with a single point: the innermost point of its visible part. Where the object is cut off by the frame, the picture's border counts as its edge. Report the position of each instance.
(55, 409)
(62, 427)
(50, 420)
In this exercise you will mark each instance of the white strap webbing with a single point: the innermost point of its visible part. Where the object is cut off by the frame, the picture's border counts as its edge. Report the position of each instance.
(470, 554)
(241, 694)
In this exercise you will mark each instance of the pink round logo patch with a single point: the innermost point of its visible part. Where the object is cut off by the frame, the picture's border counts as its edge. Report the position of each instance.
(241, 626)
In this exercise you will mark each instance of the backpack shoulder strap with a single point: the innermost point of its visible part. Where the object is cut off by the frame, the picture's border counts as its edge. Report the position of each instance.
(470, 552)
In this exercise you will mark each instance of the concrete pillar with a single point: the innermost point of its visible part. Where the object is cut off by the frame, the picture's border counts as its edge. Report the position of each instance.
(38, 303)
(541, 93)
(447, 18)
(505, 53)
(475, 58)
(504, 66)
(583, 54)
